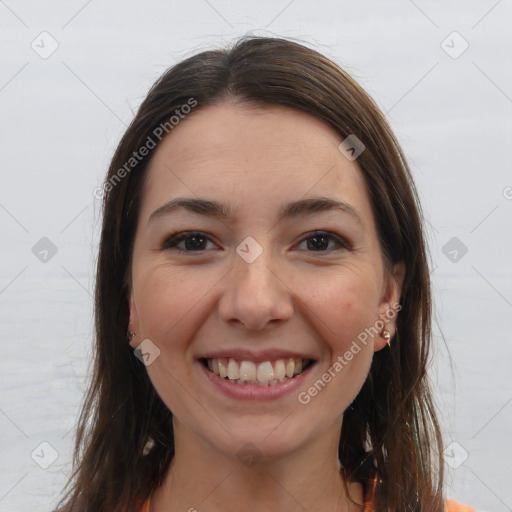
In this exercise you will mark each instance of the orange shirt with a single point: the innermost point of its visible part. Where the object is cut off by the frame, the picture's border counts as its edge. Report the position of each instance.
(451, 506)
(369, 506)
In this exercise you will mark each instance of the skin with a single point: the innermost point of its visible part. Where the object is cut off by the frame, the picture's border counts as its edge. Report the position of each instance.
(294, 296)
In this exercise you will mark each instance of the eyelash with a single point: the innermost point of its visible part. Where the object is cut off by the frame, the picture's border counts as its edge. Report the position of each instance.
(175, 238)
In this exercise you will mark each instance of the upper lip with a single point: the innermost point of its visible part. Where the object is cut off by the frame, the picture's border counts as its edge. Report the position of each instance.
(259, 356)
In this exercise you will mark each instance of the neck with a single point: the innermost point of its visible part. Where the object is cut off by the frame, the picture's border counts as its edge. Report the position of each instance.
(202, 478)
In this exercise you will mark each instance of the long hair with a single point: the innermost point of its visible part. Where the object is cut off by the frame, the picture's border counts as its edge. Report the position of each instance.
(390, 440)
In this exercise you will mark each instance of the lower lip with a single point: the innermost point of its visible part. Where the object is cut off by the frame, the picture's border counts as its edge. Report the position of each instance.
(251, 392)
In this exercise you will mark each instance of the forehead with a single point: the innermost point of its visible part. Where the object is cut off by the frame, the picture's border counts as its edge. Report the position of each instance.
(253, 159)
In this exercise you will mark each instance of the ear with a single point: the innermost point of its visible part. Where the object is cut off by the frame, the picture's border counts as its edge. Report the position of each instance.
(133, 324)
(390, 303)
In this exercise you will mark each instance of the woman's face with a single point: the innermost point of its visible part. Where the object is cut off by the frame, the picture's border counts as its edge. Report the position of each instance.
(253, 291)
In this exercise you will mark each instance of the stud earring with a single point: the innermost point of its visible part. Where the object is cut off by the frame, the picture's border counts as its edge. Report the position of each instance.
(387, 336)
(130, 336)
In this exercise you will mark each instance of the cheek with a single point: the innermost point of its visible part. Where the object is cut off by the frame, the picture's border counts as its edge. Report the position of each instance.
(173, 304)
(169, 300)
(167, 297)
(341, 305)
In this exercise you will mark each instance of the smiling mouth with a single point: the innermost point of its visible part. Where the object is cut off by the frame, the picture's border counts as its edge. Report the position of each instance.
(266, 373)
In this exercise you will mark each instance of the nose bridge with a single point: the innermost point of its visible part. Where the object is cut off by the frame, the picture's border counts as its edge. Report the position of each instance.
(255, 295)
(253, 261)
(257, 275)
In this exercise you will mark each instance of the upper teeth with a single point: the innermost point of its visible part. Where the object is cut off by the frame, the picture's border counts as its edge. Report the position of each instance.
(264, 373)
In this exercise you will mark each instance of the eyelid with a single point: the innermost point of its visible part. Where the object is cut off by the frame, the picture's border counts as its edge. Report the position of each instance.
(179, 236)
(342, 242)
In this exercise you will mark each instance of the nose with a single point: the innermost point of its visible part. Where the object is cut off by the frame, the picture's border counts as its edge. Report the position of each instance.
(255, 294)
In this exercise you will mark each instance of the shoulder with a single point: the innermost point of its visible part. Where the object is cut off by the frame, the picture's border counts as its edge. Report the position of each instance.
(454, 506)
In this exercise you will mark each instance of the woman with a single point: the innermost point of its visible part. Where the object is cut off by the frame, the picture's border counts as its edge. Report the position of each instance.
(263, 304)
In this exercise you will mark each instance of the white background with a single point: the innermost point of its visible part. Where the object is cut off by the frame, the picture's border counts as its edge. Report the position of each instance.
(63, 115)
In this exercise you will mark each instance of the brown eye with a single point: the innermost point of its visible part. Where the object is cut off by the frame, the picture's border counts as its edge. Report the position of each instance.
(319, 241)
(194, 241)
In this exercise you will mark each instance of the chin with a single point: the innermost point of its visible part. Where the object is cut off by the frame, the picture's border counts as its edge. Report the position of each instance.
(261, 439)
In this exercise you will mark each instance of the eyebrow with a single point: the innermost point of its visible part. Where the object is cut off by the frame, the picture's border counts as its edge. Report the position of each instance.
(218, 210)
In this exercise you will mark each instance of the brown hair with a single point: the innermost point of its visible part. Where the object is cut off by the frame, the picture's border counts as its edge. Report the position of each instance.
(390, 432)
